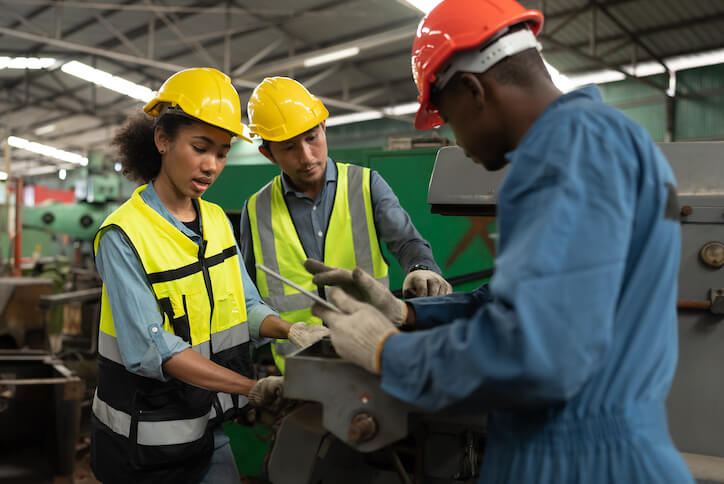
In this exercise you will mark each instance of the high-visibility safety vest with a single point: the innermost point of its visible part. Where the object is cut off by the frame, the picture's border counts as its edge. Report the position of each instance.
(143, 429)
(351, 241)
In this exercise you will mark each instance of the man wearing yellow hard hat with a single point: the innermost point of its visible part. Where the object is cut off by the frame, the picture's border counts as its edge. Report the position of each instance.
(178, 310)
(321, 209)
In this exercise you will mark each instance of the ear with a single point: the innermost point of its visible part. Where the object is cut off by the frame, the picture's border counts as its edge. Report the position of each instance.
(324, 125)
(471, 85)
(161, 139)
(267, 154)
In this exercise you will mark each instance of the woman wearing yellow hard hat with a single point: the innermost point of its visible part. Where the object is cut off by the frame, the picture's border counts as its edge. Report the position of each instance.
(178, 309)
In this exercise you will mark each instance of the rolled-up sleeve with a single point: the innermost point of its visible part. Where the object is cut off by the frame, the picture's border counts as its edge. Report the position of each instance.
(143, 343)
(395, 228)
(256, 308)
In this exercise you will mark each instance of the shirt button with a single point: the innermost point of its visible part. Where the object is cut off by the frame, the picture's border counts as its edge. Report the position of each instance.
(320, 233)
(314, 207)
(154, 329)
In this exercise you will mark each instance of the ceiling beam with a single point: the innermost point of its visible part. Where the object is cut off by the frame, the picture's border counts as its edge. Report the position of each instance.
(170, 21)
(152, 7)
(367, 42)
(251, 61)
(603, 63)
(660, 29)
(75, 47)
(118, 34)
(631, 35)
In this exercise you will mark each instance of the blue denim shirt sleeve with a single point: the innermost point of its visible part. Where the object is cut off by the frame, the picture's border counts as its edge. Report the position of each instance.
(395, 228)
(134, 309)
(547, 324)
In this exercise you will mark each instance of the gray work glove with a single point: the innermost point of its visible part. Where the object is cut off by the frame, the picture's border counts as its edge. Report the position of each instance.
(268, 393)
(361, 286)
(303, 335)
(421, 283)
(359, 332)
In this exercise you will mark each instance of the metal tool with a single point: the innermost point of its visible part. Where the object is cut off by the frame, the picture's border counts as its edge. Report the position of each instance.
(299, 288)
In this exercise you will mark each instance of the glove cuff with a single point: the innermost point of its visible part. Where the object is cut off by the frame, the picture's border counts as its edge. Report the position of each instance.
(380, 345)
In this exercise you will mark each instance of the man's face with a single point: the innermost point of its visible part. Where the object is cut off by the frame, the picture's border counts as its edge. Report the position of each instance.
(302, 158)
(476, 129)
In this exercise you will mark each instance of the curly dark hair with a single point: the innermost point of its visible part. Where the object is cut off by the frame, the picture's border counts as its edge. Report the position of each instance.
(136, 148)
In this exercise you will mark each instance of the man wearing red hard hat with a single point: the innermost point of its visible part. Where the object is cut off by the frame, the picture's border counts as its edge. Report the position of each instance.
(572, 345)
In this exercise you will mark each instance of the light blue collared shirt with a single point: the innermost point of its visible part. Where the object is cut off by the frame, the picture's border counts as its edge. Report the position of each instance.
(134, 308)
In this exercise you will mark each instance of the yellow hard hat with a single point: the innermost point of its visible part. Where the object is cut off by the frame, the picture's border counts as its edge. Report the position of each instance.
(203, 93)
(281, 108)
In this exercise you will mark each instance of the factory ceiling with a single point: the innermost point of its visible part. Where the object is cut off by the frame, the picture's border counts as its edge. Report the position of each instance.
(146, 41)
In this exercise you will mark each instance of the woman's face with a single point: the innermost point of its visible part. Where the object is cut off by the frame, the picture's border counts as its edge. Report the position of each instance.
(193, 159)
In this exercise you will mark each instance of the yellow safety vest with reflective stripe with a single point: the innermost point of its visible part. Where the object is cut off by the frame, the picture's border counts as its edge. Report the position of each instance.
(200, 296)
(351, 241)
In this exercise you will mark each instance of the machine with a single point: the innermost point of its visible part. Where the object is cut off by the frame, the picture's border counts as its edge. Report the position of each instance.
(354, 432)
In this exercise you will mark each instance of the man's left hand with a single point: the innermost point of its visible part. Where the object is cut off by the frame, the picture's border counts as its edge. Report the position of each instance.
(423, 283)
(358, 332)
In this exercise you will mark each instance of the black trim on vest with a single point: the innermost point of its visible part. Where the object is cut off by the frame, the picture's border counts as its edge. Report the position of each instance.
(181, 325)
(227, 253)
(173, 274)
(193, 268)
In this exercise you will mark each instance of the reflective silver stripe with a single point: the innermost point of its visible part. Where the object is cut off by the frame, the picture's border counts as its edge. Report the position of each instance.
(168, 432)
(276, 298)
(360, 237)
(284, 347)
(358, 216)
(117, 421)
(108, 347)
(204, 349)
(268, 246)
(227, 403)
(172, 432)
(384, 280)
(229, 338)
(289, 302)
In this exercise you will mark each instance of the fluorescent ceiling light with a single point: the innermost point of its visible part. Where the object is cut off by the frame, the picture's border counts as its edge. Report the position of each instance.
(107, 80)
(422, 5)
(398, 110)
(3, 176)
(563, 82)
(48, 128)
(46, 150)
(402, 109)
(332, 56)
(642, 69)
(26, 62)
(38, 170)
(353, 117)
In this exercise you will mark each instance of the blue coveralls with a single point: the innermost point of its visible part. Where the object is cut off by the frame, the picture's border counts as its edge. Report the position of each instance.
(573, 344)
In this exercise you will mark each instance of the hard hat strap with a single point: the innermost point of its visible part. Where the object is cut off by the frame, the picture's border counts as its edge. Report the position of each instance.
(480, 59)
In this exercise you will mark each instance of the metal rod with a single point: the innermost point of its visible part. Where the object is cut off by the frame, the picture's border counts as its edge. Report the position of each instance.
(18, 249)
(688, 304)
(399, 467)
(37, 381)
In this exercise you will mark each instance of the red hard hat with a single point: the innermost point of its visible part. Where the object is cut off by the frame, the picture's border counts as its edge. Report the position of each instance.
(456, 25)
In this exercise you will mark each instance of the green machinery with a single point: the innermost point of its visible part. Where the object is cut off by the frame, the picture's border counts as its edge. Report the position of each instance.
(49, 228)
